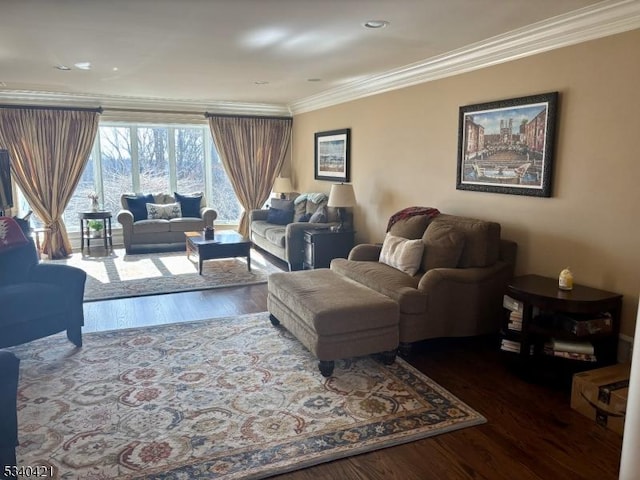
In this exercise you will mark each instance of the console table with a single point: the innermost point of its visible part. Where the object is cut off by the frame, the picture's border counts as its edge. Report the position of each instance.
(85, 218)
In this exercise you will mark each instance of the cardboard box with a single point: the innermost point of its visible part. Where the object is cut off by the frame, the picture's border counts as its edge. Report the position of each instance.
(601, 395)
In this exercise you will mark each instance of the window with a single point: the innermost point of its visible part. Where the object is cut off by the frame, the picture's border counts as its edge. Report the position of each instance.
(151, 159)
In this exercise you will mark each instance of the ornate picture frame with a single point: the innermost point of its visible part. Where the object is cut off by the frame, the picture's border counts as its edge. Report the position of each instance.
(507, 146)
(331, 153)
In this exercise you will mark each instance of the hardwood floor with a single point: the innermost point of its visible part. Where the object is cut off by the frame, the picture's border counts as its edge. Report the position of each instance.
(531, 432)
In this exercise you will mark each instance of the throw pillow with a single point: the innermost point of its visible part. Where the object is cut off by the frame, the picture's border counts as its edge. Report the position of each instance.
(282, 204)
(319, 216)
(137, 205)
(305, 217)
(401, 253)
(279, 217)
(189, 204)
(444, 245)
(11, 236)
(156, 211)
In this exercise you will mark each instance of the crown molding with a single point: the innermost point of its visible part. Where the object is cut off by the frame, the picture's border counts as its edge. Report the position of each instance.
(116, 106)
(589, 23)
(596, 21)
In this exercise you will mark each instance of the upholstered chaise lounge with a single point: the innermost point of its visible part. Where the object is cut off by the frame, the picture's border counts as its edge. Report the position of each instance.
(462, 273)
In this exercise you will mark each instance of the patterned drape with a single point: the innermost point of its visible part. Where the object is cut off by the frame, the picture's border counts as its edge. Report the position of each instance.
(49, 149)
(252, 150)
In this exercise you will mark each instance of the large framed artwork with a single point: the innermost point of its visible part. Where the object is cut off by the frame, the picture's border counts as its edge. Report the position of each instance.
(507, 146)
(332, 155)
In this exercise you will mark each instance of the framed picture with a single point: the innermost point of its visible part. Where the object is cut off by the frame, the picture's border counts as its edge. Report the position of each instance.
(507, 146)
(332, 155)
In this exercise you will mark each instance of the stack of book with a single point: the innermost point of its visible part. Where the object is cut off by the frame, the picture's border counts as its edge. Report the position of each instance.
(513, 346)
(574, 350)
(586, 325)
(515, 314)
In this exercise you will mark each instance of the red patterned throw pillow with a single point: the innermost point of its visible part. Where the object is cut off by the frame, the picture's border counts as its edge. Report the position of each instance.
(11, 235)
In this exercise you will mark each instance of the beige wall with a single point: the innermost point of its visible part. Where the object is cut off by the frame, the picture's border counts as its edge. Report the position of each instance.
(404, 148)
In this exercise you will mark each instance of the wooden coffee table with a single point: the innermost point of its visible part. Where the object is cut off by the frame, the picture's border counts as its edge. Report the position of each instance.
(223, 245)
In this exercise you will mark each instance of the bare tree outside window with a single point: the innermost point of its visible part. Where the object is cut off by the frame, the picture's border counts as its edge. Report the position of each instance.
(116, 167)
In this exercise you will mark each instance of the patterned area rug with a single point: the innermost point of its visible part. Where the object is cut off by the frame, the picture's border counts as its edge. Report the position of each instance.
(225, 398)
(120, 275)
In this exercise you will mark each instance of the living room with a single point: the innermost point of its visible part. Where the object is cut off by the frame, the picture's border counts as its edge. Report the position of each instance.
(404, 145)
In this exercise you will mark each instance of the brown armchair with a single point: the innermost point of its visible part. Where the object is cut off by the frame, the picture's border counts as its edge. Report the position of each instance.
(458, 288)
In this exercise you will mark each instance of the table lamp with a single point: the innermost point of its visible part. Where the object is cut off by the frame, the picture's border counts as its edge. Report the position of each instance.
(341, 196)
(282, 185)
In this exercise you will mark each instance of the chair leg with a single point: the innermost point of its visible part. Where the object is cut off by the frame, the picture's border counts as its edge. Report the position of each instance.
(326, 367)
(74, 334)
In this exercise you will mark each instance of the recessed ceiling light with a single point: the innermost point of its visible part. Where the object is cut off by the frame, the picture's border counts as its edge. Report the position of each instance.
(314, 80)
(115, 69)
(83, 65)
(376, 23)
(261, 82)
(63, 67)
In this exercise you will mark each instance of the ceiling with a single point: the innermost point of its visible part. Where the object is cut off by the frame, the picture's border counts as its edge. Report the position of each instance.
(271, 55)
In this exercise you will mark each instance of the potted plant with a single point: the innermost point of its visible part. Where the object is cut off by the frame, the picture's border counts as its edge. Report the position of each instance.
(95, 228)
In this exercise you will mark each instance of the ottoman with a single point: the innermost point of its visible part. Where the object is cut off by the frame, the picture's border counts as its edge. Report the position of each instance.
(333, 316)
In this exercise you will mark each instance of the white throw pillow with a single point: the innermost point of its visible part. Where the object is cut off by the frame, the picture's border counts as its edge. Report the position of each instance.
(401, 253)
(156, 211)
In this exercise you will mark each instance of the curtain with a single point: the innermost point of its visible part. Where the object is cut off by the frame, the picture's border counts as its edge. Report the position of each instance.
(49, 149)
(252, 150)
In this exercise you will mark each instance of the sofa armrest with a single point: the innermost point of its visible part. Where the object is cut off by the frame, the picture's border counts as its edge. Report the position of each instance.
(72, 278)
(125, 217)
(294, 243)
(258, 215)
(208, 215)
(477, 275)
(367, 252)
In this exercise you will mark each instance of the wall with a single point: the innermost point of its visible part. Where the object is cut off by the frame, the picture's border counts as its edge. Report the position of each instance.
(404, 149)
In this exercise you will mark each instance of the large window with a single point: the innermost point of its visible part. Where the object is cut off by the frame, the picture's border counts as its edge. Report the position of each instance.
(150, 159)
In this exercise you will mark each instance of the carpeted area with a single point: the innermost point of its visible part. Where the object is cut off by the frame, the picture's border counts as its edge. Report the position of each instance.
(120, 275)
(225, 398)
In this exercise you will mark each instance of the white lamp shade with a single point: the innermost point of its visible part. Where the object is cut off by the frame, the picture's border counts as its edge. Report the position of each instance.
(282, 185)
(341, 195)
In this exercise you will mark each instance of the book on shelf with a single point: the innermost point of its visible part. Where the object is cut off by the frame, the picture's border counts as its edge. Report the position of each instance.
(513, 346)
(584, 357)
(574, 346)
(512, 304)
(581, 325)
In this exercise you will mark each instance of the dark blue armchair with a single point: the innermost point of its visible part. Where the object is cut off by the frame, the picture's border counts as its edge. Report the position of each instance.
(37, 299)
(8, 418)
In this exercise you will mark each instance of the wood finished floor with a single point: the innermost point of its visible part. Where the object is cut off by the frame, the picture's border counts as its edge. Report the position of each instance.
(531, 432)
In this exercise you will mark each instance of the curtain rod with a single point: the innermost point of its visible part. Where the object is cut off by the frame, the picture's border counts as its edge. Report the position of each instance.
(146, 110)
(223, 115)
(42, 107)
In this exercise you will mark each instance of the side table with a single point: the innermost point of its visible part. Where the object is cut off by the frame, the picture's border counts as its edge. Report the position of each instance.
(321, 245)
(85, 218)
(545, 309)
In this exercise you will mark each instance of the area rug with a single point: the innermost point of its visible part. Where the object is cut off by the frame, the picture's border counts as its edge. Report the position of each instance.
(120, 275)
(227, 398)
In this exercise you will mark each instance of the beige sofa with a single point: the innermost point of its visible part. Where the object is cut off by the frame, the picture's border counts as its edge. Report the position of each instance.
(286, 241)
(458, 289)
(146, 233)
